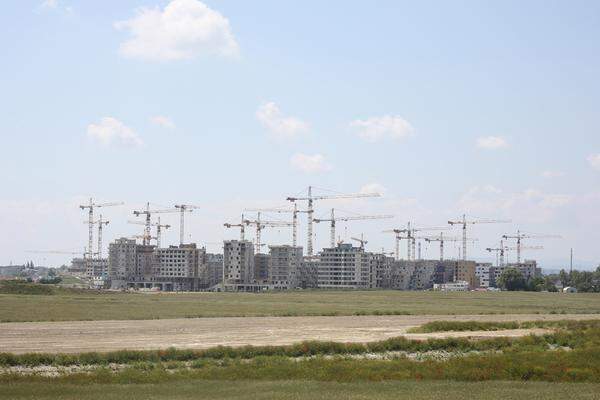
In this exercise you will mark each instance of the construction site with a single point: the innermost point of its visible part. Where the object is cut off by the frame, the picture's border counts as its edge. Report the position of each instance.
(142, 262)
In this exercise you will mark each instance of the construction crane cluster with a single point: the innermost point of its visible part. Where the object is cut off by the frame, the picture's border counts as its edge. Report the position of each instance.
(89, 254)
(413, 234)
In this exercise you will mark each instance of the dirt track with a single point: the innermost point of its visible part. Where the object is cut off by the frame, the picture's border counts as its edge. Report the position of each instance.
(83, 336)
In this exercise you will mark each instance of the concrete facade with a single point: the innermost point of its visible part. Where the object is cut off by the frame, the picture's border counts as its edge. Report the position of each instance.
(261, 267)
(285, 264)
(482, 270)
(238, 262)
(308, 276)
(211, 270)
(344, 267)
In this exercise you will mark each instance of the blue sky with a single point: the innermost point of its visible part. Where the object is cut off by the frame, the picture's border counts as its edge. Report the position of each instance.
(489, 109)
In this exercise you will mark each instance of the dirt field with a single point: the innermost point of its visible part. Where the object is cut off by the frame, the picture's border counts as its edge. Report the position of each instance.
(85, 336)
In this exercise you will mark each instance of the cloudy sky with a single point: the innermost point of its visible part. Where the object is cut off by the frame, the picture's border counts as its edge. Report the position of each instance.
(444, 107)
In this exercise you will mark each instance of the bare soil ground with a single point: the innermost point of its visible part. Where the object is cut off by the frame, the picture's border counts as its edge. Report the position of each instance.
(197, 333)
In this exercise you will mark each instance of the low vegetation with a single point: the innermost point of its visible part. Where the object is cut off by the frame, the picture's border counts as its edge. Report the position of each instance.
(30, 302)
(570, 354)
(301, 390)
(461, 326)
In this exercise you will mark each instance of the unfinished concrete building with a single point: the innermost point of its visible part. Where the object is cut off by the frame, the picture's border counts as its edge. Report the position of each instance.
(211, 270)
(285, 264)
(344, 267)
(308, 276)
(178, 268)
(482, 270)
(261, 267)
(122, 262)
(238, 264)
(138, 266)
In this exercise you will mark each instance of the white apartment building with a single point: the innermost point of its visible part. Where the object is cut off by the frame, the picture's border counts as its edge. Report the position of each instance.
(482, 271)
(458, 286)
(344, 267)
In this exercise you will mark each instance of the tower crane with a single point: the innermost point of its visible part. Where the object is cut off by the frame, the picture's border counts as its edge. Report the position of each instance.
(520, 236)
(499, 253)
(410, 238)
(183, 208)
(73, 253)
(411, 232)
(362, 241)
(260, 225)
(294, 213)
(158, 226)
(464, 222)
(310, 199)
(241, 225)
(143, 237)
(100, 223)
(442, 239)
(333, 220)
(147, 212)
(91, 206)
(524, 248)
(398, 233)
(386, 253)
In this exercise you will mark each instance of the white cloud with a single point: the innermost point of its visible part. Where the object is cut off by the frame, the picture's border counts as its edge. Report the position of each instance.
(310, 163)
(55, 6)
(271, 117)
(386, 127)
(49, 4)
(183, 30)
(162, 121)
(373, 188)
(594, 161)
(110, 130)
(492, 143)
(552, 174)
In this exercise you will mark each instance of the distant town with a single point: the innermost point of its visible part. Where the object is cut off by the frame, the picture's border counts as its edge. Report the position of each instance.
(141, 263)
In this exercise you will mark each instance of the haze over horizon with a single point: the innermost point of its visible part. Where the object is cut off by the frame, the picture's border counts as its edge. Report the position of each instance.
(488, 110)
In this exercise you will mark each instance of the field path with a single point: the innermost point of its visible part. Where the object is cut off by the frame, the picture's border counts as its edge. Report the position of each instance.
(198, 333)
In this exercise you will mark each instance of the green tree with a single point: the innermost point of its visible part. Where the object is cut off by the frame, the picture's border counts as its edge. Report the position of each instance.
(512, 279)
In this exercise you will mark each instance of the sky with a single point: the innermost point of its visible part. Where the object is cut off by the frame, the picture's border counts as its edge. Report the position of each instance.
(488, 109)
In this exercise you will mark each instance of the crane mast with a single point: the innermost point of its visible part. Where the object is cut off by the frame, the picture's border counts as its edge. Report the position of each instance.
(310, 210)
(91, 206)
(464, 222)
(260, 225)
(158, 226)
(183, 208)
(294, 213)
(519, 236)
(101, 223)
(148, 213)
(240, 225)
(333, 220)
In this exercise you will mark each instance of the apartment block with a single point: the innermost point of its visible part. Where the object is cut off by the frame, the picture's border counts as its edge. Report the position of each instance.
(308, 276)
(482, 270)
(344, 267)
(466, 272)
(238, 262)
(122, 262)
(285, 264)
(211, 270)
(261, 267)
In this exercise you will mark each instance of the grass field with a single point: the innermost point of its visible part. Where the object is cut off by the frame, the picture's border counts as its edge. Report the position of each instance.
(65, 305)
(299, 390)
